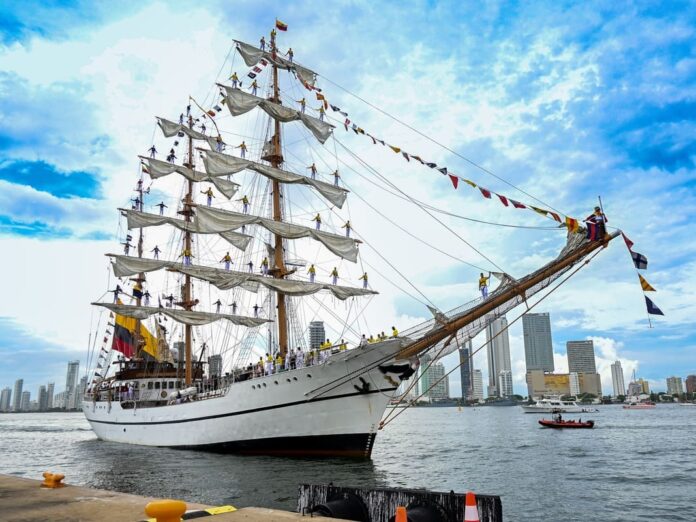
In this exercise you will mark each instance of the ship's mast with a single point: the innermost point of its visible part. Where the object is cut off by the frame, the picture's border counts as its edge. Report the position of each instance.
(276, 159)
(187, 301)
(139, 341)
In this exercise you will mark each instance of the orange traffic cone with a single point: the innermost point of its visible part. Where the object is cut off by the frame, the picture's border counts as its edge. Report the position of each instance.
(401, 514)
(471, 511)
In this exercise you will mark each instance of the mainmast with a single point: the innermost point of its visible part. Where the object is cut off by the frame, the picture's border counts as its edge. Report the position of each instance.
(187, 297)
(140, 279)
(279, 271)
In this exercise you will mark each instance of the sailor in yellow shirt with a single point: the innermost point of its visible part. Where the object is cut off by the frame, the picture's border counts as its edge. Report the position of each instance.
(395, 332)
(321, 112)
(483, 284)
(303, 104)
(235, 80)
(278, 363)
(348, 228)
(264, 266)
(210, 195)
(317, 219)
(363, 279)
(227, 260)
(186, 254)
(253, 88)
(269, 364)
(242, 147)
(371, 339)
(343, 346)
(312, 273)
(382, 336)
(334, 276)
(245, 204)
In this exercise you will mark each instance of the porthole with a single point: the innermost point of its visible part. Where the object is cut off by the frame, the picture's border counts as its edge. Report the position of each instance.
(276, 383)
(309, 376)
(289, 380)
(294, 378)
(253, 386)
(264, 384)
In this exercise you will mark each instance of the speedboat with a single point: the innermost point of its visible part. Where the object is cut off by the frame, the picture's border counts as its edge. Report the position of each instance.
(558, 424)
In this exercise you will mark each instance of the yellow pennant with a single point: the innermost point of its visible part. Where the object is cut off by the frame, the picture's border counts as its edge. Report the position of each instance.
(395, 149)
(540, 211)
(469, 182)
(647, 287)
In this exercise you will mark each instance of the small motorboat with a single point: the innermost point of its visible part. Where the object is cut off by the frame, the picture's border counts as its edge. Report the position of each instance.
(560, 423)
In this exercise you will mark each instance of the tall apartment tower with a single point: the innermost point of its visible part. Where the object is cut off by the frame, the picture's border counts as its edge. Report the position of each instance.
(538, 347)
(477, 385)
(17, 395)
(691, 384)
(24, 402)
(581, 358)
(435, 384)
(466, 369)
(617, 379)
(675, 386)
(71, 375)
(43, 398)
(498, 345)
(49, 400)
(317, 334)
(5, 397)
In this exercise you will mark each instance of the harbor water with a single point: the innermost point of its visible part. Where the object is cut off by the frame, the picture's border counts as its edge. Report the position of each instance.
(635, 465)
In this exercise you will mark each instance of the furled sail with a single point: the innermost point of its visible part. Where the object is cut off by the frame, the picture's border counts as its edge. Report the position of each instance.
(240, 102)
(137, 219)
(124, 266)
(219, 164)
(188, 317)
(253, 55)
(157, 169)
(170, 128)
(214, 220)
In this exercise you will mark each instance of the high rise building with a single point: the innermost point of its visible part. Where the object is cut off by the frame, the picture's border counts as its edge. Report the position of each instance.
(80, 392)
(71, 376)
(498, 345)
(477, 385)
(675, 386)
(5, 398)
(215, 365)
(24, 403)
(49, 390)
(538, 347)
(617, 379)
(317, 334)
(581, 356)
(466, 369)
(17, 394)
(691, 384)
(43, 398)
(505, 383)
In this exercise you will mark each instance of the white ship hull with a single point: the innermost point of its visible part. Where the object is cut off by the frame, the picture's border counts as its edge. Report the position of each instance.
(281, 414)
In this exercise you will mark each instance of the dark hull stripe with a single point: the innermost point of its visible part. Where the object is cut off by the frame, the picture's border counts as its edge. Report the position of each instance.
(352, 445)
(244, 412)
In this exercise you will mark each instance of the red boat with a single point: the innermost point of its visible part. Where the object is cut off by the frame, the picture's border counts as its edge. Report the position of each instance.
(566, 424)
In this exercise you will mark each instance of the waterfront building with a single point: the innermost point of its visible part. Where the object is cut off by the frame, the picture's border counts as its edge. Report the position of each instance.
(617, 379)
(644, 386)
(466, 369)
(49, 390)
(498, 346)
(71, 383)
(477, 385)
(675, 386)
(541, 384)
(60, 401)
(42, 403)
(434, 376)
(215, 365)
(505, 383)
(581, 356)
(26, 399)
(538, 346)
(17, 394)
(5, 397)
(691, 384)
(317, 334)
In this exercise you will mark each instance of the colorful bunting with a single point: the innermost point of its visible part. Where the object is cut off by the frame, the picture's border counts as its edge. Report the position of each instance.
(540, 211)
(647, 287)
(639, 260)
(455, 180)
(469, 182)
(572, 224)
(395, 149)
(485, 192)
(404, 154)
(517, 204)
(443, 170)
(629, 243)
(503, 200)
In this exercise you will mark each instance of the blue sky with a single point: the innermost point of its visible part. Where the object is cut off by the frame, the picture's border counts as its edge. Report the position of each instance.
(567, 100)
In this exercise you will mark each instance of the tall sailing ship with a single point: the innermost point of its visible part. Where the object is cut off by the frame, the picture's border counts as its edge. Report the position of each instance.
(241, 377)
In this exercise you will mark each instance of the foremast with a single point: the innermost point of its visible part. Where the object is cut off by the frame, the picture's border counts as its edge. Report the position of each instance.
(276, 159)
(187, 301)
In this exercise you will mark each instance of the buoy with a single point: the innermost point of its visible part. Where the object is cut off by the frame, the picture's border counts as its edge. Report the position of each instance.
(471, 511)
(401, 515)
(52, 480)
(166, 510)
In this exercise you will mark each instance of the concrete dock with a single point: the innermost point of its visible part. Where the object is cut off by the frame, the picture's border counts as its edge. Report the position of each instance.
(25, 500)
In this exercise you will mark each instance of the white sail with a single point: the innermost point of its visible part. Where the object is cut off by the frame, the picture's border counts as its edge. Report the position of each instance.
(189, 317)
(214, 220)
(170, 128)
(158, 169)
(219, 164)
(253, 55)
(137, 219)
(124, 266)
(240, 102)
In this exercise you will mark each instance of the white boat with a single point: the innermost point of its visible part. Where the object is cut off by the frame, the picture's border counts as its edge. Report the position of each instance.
(555, 405)
(149, 382)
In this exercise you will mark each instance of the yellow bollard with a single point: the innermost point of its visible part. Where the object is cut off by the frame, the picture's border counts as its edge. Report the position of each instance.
(52, 480)
(166, 510)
